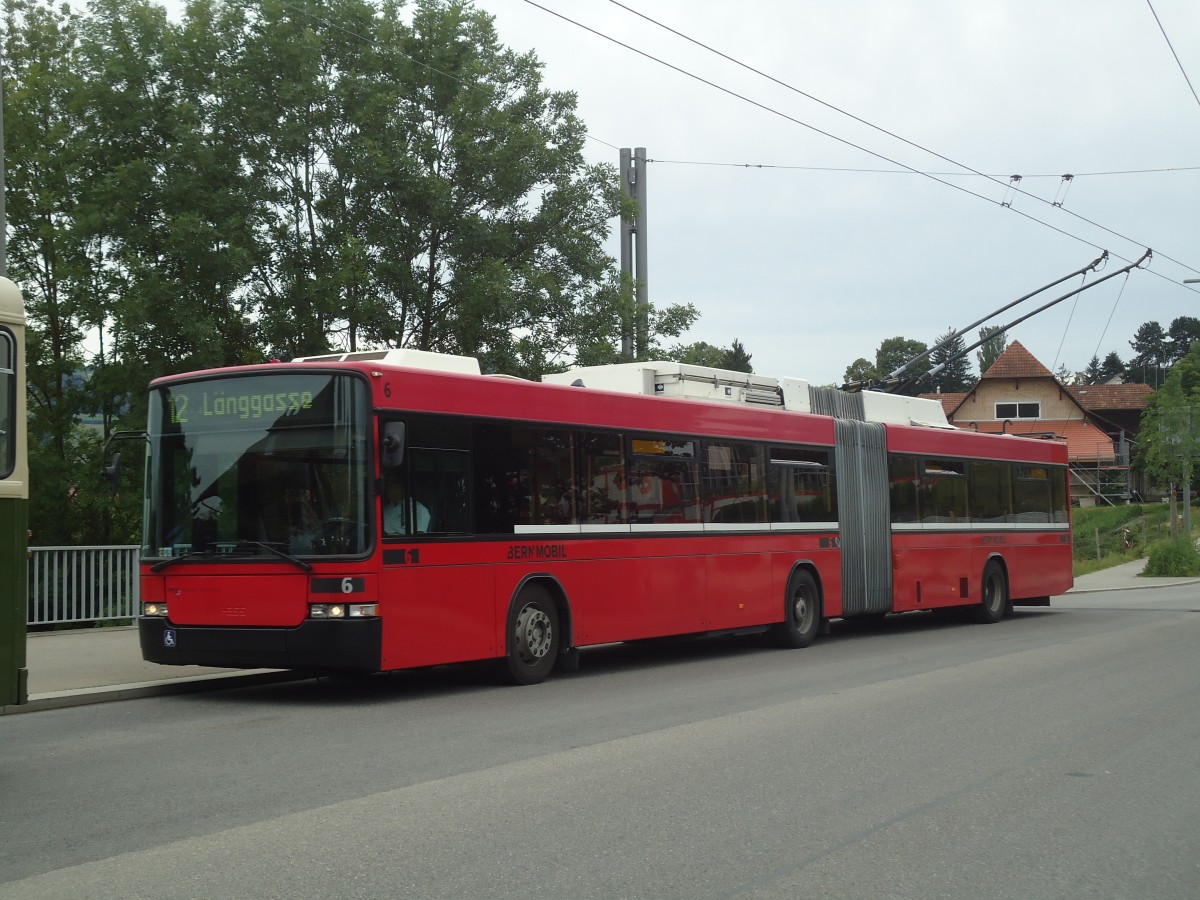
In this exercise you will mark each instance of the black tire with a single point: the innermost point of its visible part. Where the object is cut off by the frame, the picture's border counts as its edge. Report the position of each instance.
(801, 612)
(533, 636)
(993, 604)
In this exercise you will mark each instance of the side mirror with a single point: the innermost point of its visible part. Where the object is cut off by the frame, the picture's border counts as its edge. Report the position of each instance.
(112, 474)
(391, 450)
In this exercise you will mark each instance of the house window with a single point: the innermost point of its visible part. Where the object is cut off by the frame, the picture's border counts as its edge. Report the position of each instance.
(1019, 410)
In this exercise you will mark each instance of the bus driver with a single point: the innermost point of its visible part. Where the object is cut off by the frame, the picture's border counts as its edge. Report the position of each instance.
(395, 506)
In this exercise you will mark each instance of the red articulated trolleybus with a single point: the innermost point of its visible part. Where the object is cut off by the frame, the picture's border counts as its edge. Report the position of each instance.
(394, 509)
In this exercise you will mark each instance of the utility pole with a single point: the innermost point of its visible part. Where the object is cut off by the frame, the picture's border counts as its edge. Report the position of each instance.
(635, 334)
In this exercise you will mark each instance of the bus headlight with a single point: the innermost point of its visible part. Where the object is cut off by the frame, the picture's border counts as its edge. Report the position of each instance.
(154, 610)
(342, 610)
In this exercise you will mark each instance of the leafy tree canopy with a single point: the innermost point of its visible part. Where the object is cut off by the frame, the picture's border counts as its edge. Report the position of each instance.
(1169, 441)
(995, 342)
(263, 179)
(861, 371)
(733, 358)
(701, 353)
(1182, 333)
(891, 354)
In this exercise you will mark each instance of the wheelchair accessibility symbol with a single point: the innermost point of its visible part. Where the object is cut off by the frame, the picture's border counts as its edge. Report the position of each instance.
(169, 637)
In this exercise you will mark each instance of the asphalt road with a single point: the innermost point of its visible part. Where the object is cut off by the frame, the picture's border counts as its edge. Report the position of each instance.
(1053, 755)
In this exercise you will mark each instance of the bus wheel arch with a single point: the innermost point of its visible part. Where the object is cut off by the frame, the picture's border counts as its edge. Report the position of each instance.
(995, 601)
(537, 629)
(802, 608)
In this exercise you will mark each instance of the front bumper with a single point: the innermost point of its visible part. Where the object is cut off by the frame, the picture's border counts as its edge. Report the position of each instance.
(344, 644)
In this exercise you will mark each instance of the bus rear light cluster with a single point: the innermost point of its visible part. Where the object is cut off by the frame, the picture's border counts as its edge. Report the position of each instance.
(342, 610)
(154, 610)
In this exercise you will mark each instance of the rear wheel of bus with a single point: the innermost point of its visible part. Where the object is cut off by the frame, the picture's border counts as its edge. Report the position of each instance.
(994, 590)
(533, 636)
(801, 613)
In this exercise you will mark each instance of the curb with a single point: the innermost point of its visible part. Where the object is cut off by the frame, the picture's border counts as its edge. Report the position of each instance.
(1149, 583)
(191, 685)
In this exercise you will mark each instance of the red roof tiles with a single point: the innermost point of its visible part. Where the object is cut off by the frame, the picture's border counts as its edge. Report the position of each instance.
(1111, 396)
(1017, 362)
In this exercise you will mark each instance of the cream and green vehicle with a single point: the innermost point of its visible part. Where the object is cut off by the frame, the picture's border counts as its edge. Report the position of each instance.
(14, 495)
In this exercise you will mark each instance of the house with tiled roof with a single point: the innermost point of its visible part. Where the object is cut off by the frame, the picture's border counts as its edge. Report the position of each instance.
(1019, 395)
(1115, 407)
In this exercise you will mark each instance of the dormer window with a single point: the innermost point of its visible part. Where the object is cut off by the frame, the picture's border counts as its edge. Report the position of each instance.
(1027, 410)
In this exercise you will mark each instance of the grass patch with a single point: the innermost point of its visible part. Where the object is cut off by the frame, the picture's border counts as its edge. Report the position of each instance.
(1176, 559)
(1097, 537)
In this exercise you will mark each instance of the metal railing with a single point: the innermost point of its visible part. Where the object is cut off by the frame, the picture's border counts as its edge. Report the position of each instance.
(82, 584)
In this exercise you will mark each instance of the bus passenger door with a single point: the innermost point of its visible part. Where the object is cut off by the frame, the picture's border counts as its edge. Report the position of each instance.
(438, 600)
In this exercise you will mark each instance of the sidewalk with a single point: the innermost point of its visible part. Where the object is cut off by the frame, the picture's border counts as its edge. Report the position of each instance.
(98, 665)
(1119, 578)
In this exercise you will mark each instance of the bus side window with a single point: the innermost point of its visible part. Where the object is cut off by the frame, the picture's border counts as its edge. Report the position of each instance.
(903, 484)
(944, 491)
(439, 484)
(427, 477)
(663, 481)
(734, 488)
(801, 485)
(552, 499)
(602, 495)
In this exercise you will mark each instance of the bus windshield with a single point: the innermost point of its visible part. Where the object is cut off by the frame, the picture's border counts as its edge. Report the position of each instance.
(258, 465)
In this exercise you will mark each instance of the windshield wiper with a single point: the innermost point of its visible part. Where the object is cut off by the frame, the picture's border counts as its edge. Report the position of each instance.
(192, 554)
(293, 560)
(211, 552)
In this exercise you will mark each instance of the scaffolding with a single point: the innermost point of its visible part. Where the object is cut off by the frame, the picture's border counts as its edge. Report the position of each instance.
(1108, 481)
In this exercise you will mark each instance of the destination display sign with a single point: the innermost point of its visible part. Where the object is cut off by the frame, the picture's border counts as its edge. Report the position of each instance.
(261, 400)
(218, 402)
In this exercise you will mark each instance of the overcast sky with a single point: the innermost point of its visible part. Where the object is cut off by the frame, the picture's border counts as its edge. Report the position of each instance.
(812, 262)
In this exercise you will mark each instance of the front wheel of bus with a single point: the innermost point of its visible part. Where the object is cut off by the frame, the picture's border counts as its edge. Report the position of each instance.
(802, 611)
(533, 636)
(994, 602)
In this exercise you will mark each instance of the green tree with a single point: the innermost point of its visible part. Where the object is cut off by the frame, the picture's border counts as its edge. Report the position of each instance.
(955, 376)
(861, 371)
(995, 342)
(283, 178)
(891, 354)
(176, 202)
(733, 358)
(737, 359)
(1181, 334)
(1092, 374)
(49, 174)
(702, 353)
(1169, 442)
(1111, 367)
(895, 352)
(1150, 353)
